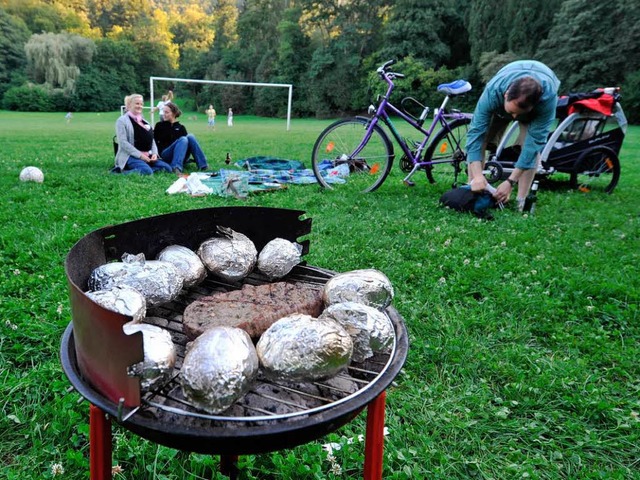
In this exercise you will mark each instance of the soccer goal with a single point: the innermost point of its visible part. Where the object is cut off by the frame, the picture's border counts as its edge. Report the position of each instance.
(223, 82)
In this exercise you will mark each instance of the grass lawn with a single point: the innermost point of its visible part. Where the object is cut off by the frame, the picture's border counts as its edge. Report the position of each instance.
(524, 331)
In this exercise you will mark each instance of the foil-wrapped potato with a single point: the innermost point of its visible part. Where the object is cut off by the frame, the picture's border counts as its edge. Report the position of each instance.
(187, 262)
(124, 300)
(231, 256)
(159, 355)
(370, 329)
(219, 368)
(302, 348)
(278, 257)
(158, 281)
(369, 287)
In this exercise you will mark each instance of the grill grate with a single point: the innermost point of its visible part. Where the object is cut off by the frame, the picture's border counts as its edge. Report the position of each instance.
(267, 401)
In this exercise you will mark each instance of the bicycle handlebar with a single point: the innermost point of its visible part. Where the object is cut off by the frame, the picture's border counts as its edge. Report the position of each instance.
(382, 71)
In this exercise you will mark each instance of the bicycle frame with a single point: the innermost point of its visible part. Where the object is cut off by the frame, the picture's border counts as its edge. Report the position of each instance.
(382, 113)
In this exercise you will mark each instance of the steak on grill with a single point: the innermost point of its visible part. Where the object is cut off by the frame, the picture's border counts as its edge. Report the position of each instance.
(252, 308)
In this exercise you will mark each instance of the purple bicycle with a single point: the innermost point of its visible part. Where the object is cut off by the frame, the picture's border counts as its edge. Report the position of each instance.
(356, 154)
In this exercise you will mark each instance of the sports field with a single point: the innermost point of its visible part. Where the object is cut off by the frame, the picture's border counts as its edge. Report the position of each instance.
(524, 331)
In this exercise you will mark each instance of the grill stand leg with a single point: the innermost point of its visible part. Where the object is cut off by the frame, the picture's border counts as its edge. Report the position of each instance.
(229, 466)
(374, 440)
(99, 444)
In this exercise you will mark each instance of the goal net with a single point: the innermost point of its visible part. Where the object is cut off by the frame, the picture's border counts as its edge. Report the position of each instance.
(222, 82)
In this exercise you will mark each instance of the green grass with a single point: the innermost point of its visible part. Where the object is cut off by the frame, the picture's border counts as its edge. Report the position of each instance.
(524, 331)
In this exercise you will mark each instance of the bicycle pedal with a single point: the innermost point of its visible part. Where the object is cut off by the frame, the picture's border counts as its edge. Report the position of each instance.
(409, 183)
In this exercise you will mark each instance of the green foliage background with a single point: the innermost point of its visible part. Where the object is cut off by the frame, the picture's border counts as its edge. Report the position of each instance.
(327, 49)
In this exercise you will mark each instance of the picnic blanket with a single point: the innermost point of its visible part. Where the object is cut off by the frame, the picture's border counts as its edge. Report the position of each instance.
(254, 174)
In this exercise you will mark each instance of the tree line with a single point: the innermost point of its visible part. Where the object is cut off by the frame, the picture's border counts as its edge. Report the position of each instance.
(86, 55)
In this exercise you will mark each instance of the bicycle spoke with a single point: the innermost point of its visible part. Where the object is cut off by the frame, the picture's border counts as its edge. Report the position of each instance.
(337, 167)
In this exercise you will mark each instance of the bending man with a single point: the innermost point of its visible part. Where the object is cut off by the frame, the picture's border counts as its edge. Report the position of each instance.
(525, 91)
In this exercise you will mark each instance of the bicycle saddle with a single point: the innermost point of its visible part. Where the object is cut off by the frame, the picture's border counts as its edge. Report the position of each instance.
(457, 87)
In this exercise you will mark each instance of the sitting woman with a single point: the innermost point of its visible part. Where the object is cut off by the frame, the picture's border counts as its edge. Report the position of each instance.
(174, 143)
(137, 151)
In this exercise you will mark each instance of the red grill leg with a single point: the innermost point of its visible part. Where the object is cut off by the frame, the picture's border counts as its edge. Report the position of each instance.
(99, 444)
(374, 441)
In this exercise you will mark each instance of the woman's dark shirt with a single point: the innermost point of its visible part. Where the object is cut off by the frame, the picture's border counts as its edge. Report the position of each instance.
(166, 133)
(142, 138)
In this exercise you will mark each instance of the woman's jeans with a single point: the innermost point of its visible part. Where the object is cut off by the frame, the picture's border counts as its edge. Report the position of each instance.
(177, 153)
(136, 165)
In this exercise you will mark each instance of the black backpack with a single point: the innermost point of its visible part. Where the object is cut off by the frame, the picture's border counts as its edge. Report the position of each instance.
(463, 199)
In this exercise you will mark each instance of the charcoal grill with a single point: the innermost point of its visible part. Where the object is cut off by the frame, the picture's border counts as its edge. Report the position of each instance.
(95, 354)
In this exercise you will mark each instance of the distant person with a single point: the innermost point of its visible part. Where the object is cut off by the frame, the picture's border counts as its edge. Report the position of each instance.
(168, 97)
(525, 91)
(230, 118)
(175, 144)
(211, 117)
(137, 151)
(68, 117)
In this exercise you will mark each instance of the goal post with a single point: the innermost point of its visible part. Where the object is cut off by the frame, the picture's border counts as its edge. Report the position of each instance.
(224, 82)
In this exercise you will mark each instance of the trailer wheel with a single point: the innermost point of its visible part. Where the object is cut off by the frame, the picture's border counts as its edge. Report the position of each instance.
(596, 170)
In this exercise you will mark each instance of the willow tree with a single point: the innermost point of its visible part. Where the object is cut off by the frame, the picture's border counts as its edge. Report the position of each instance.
(54, 59)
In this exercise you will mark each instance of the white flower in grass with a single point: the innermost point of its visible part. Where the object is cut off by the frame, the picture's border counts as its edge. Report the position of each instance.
(503, 244)
(466, 261)
(57, 469)
(12, 326)
(447, 242)
(442, 281)
(59, 309)
(590, 308)
(588, 244)
(437, 229)
(16, 272)
(116, 469)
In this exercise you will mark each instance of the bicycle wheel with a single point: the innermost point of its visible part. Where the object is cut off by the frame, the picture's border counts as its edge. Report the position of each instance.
(334, 164)
(596, 169)
(448, 147)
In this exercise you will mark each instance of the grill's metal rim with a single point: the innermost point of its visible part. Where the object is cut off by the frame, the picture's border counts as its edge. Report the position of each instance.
(284, 416)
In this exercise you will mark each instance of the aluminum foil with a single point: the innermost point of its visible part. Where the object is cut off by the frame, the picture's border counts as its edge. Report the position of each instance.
(278, 257)
(219, 368)
(187, 263)
(231, 256)
(159, 355)
(370, 329)
(302, 348)
(370, 287)
(124, 300)
(159, 281)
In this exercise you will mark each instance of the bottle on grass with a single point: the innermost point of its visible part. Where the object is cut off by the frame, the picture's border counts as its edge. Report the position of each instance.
(532, 198)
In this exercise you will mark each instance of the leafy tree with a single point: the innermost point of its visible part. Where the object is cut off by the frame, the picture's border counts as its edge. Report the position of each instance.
(13, 36)
(516, 25)
(631, 96)
(593, 44)
(55, 58)
(430, 31)
(111, 76)
(491, 62)
(53, 16)
(191, 28)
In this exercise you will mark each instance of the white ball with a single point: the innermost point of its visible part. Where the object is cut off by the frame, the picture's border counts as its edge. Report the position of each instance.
(31, 174)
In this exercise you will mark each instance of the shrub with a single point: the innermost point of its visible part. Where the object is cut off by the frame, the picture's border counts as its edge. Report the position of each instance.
(28, 98)
(631, 97)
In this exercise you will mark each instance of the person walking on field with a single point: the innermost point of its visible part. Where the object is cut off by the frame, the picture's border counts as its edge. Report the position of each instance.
(525, 91)
(230, 118)
(211, 117)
